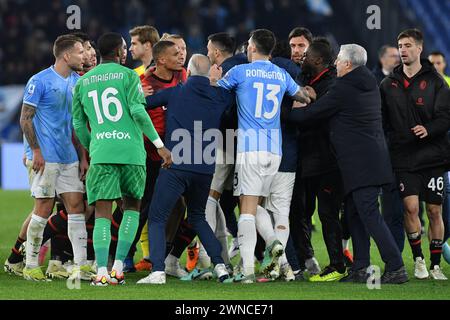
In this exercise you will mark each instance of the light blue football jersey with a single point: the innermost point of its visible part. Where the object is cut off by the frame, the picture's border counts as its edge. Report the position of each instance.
(51, 95)
(260, 87)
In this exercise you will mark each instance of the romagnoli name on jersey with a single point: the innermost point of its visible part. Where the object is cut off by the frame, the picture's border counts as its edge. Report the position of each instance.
(103, 78)
(258, 73)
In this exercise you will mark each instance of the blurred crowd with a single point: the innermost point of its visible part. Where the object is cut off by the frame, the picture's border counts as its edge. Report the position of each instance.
(28, 28)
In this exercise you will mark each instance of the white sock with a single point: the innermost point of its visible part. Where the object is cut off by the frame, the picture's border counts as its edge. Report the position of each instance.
(204, 261)
(282, 228)
(118, 266)
(210, 213)
(282, 234)
(171, 259)
(76, 230)
(102, 271)
(35, 234)
(264, 225)
(221, 234)
(345, 244)
(247, 242)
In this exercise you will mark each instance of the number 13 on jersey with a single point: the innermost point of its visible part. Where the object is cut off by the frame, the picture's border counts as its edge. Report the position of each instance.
(273, 90)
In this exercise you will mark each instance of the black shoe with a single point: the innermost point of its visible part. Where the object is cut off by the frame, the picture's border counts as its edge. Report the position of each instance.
(299, 275)
(398, 276)
(356, 276)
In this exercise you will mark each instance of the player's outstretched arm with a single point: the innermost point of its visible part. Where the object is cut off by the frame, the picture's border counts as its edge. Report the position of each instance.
(143, 121)
(136, 103)
(80, 121)
(26, 123)
(159, 99)
(323, 108)
(305, 95)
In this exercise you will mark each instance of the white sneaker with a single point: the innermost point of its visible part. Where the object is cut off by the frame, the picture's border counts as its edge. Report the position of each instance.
(234, 249)
(420, 269)
(82, 273)
(237, 268)
(93, 265)
(68, 265)
(175, 270)
(220, 270)
(14, 268)
(157, 277)
(437, 273)
(101, 281)
(275, 273)
(287, 273)
(55, 270)
(75, 274)
(312, 265)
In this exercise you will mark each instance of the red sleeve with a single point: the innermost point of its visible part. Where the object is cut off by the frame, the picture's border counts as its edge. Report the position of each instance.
(183, 75)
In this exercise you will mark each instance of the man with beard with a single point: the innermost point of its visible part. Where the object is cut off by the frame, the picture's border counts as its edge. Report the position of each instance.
(299, 40)
(51, 157)
(319, 171)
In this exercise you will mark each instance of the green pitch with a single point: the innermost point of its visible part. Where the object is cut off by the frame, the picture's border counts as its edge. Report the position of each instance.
(14, 207)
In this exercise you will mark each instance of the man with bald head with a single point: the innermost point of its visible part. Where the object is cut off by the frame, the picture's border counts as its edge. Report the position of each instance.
(194, 111)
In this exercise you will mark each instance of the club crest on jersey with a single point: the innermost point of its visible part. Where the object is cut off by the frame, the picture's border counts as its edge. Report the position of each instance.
(394, 84)
(31, 89)
(420, 101)
(402, 187)
(423, 85)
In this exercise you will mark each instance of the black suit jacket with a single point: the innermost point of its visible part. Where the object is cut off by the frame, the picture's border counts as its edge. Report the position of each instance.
(353, 107)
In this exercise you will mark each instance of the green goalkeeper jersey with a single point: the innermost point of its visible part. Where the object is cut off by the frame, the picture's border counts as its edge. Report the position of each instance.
(110, 98)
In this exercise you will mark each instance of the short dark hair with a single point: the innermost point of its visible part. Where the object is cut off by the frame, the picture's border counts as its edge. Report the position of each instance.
(160, 47)
(322, 49)
(83, 36)
(323, 40)
(383, 50)
(437, 53)
(264, 41)
(282, 49)
(108, 43)
(223, 41)
(64, 43)
(300, 31)
(416, 34)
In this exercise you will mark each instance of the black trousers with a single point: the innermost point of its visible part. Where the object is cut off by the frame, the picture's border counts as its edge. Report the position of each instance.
(300, 225)
(392, 209)
(153, 168)
(365, 222)
(328, 190)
